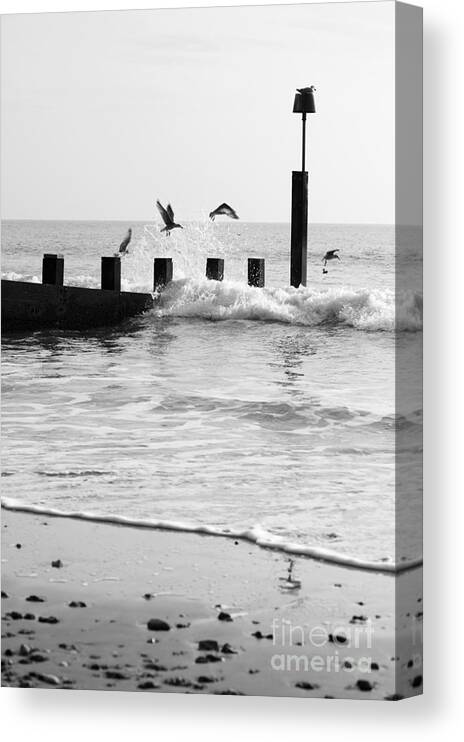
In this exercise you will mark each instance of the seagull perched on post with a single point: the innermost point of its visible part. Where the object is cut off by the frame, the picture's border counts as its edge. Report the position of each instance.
(330, 255)
(125, 243)
(167, 215)
(225, 210)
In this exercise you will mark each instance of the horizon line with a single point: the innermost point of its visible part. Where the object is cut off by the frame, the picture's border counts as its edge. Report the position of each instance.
(189, 221)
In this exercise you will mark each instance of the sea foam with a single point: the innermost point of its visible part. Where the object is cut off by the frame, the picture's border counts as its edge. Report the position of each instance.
(361, 309)
(256, 535)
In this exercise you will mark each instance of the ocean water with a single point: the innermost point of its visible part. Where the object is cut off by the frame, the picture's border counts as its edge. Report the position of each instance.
(267, 413)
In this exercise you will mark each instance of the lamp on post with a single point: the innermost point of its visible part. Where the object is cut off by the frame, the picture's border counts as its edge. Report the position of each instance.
(304, 103)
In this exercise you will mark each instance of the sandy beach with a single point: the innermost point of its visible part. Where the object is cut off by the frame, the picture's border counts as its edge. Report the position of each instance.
(95, 606)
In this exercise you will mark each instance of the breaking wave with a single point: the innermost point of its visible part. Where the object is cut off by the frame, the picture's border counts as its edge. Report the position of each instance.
(365, 309)
(362, 309)
(256, 535)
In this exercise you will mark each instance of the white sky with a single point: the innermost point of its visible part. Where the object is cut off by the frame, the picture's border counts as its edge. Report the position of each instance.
(104, 112)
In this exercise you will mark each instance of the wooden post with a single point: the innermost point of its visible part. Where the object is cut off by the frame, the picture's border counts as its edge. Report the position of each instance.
(299, 234)
(256, 272)
(111, 273)
(215, 269)
(162, 272)
(53, 269)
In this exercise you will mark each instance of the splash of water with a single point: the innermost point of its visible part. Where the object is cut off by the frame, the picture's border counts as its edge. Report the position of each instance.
(188, 247)
(362, 309)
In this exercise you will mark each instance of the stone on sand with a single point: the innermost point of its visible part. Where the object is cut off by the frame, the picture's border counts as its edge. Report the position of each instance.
(157, 624)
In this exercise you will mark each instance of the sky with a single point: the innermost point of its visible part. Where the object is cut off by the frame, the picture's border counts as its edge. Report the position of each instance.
(104, 112)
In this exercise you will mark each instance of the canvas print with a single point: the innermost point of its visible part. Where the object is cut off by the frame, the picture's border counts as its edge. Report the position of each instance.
(211, 351)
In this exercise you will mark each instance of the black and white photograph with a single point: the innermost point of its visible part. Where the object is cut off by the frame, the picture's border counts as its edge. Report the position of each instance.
(211, 248)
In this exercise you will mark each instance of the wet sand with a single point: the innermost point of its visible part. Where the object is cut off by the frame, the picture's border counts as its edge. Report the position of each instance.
(131, 609)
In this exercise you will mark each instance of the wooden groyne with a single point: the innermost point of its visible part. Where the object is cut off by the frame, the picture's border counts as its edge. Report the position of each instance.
(33, 306)
(27, 307)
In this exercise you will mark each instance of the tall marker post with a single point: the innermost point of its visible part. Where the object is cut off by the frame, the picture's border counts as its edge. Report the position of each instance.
(304, 103)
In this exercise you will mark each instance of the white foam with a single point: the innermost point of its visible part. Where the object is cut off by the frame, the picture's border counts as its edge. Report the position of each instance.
(13, 276)
(362, 309)
(255, 535)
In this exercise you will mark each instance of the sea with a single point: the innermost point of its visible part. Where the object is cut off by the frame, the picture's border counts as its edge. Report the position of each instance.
(260, 413)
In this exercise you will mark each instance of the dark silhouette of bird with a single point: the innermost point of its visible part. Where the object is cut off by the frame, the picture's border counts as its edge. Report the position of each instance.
(167, 215)
(224, 210)
(125, 243)
(311, 89)
(330, 255)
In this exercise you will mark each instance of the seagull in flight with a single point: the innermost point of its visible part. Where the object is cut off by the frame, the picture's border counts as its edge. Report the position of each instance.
(330, 255)
(225, 210)
(125, 243)
(167, 215)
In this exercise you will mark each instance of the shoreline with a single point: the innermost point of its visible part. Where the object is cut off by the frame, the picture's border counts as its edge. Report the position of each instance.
(259, 537)
(242, 619)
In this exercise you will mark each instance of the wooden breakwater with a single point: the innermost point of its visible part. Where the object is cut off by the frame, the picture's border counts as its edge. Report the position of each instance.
(27, 307)
(33, 306)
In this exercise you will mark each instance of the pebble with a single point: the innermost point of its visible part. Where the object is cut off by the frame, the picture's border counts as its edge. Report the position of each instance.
(49, 679)
(208, 645)
(205, 658)
(48, 619)
(24, 650)
(227, 649)
(157, 624)
(4, 594)
(259, 635)
(148, 685)
(116, 675)
(77, 604)
(149, 665)
(37, 657)
(57, 563)
(35, 599)
(306, 686)
(223, 616)
(179, 682)
(29, 616)
(417, 682)
(337, 638)
(364, 685)
(19, 546)
(95, 667)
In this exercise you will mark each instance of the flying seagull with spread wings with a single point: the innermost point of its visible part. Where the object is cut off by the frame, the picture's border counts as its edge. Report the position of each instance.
(225, 210)
(167, 215)
(125, 243)
(330, 255)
